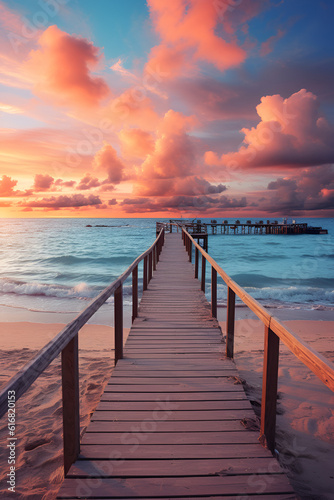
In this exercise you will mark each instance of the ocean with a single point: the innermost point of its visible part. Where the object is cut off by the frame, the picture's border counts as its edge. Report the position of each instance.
(51, 268)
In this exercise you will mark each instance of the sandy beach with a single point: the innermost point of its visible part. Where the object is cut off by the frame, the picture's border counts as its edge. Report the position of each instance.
(305, 424)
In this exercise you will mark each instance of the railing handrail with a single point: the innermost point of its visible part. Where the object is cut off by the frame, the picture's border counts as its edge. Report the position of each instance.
(322, 367)
(25, 377)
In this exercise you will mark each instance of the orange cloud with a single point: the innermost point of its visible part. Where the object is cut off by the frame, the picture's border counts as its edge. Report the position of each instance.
(174, 152)
(61, 70)
(291, 133)
(7, 185)
(136, 142)
(188, 32)
(106, 159)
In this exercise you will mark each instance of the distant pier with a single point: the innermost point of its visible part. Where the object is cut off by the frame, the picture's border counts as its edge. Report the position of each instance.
(199, 229)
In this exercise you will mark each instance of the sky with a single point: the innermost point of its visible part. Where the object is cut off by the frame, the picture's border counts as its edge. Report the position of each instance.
(166, 108)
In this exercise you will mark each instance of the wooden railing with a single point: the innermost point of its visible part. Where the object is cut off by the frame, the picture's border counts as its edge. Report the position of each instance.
(66, 343)
(274, 332)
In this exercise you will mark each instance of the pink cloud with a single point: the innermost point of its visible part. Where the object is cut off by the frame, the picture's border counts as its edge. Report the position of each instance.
(188, 33)
(183, 204)
(7, 185)
(42, 182)
(88, 182)
(64, 201)
(136, 142)
(133, 108)
(61, 69)
(107, 160)
(311, 190)
(188, 186)
(267, 46)
(292, 133)
(174, 152)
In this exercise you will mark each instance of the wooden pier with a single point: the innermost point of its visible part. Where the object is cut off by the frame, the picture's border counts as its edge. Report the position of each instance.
(172, 421)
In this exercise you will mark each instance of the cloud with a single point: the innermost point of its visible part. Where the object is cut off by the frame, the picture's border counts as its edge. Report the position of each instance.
(61, 70)
(88, 182)
(174, 152)
(187, 186)
(188, 31)
(106, 159)
(133, 108)
(64, 201)
(182, 203)
(312, 189)
(60, 182)
(136, 143)
(7, 185)
(292, 133)
(267, 46)
(42, 182)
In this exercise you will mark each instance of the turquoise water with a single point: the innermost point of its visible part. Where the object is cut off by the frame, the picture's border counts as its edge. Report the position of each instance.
(58, 265)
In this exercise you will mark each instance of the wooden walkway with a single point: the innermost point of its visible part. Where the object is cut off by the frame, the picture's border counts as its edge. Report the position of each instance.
(169, 424)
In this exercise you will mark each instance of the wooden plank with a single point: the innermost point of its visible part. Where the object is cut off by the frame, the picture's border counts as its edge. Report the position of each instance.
(175, 468)
(184, 405)
(166, 426)
(180, 451)
(181, 388)
(161, 413)
(177, 486)
(173, 396)
(169, 438)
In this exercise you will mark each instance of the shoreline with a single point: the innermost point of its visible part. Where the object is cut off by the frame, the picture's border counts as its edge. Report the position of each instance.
(105, 315)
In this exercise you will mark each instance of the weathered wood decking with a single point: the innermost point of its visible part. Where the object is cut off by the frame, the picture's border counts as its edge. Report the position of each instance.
(169, 421)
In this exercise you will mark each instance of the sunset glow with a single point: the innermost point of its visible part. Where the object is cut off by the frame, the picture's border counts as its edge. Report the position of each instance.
(166, 108)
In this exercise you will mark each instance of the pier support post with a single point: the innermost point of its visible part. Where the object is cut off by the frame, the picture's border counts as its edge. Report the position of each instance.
(190, 250)
(269, 389)
(134, 293)
(196, 262)
(230, 323)
(213, 292)
(71, 405)
(145, 274)
(118, 326)
(203, 274)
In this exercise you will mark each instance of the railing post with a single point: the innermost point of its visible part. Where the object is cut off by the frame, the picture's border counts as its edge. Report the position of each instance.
(196, 262)
(190, 250)
(145, 273)
(203, 274)
(150, 266)
(213, 292)
(134, 293)
(230, 323)
(118, 322)
(71, 405)
(154, 258)
(269, 389)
